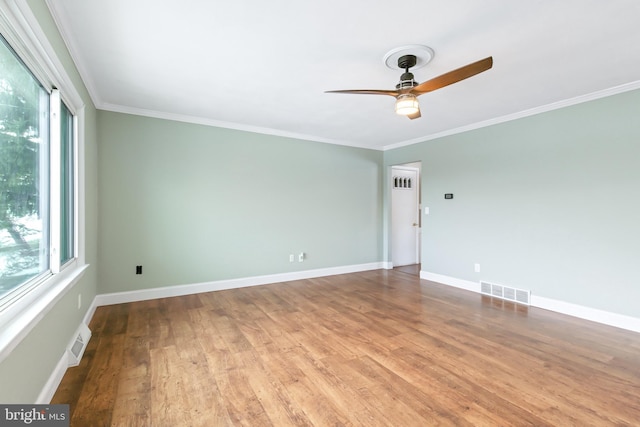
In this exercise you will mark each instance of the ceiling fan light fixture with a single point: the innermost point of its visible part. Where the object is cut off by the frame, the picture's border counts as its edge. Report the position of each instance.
(407, 104)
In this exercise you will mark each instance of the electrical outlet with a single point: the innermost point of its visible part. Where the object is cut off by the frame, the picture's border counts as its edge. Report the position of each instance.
(138, 269)
(291, 258)
(301, 257)
(476, 267)
(79, 301)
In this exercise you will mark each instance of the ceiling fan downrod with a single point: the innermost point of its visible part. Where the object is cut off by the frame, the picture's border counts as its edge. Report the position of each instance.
(406, 79)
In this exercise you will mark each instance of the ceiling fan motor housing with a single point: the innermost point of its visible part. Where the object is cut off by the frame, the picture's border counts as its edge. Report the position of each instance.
(406, 82)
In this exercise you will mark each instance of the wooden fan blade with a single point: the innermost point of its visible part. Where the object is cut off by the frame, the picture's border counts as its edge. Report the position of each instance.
(366, 92)
(454, 76)
(416, 115)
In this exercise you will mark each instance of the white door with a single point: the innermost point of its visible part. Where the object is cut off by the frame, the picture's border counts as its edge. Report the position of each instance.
(405, 227)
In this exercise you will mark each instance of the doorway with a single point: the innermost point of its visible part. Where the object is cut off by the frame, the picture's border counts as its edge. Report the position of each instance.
(405, 214)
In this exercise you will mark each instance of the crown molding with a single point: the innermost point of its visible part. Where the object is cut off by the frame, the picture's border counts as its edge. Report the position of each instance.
(63, 28)
(223, 124)
(627, 87)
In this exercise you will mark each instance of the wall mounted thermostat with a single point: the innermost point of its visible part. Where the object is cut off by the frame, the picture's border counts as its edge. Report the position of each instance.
(448, 196)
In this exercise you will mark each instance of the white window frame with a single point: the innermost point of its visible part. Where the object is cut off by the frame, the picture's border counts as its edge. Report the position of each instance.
(20, 28)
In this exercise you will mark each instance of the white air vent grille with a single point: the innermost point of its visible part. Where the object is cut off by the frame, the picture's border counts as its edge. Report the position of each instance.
(496, 291)
(78, 345)
(76, 349)
(485, 288)
(507, 293)
(523, 297)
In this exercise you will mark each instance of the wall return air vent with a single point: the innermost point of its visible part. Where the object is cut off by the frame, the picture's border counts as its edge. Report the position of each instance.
(519, 296)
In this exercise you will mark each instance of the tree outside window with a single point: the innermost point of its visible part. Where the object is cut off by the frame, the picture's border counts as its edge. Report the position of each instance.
(23, 173)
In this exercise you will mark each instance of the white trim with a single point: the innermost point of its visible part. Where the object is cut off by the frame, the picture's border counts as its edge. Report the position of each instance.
(91, 310)
(16, 29)
(627, 87)
(224, 124)
(54, 181)
(276, 132)
(587, 313)
(219, 285)
(21, 29)
(63, 27)
(418, 188)
(451, 281)
(26, 37)
(79, 186)
(574, 310)
(69, 40)
(18, 319)
(50, 387)
(52, 384)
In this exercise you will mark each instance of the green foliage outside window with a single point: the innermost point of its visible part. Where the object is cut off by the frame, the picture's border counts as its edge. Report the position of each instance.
(23, 170)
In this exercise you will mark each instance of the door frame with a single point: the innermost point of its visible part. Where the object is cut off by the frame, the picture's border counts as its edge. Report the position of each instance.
(412, 166)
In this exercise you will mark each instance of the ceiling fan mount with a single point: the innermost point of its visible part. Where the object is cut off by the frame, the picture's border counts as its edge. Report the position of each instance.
(423, 55)
(407, 61)
(407, 91)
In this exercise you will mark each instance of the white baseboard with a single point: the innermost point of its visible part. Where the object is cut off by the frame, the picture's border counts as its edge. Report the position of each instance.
(587, 313)
(50, 387)
(451, 281)
(579, 311)
(196, 288)
(90, 311)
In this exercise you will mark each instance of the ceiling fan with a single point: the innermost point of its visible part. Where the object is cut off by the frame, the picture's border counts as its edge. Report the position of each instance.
(408, 90)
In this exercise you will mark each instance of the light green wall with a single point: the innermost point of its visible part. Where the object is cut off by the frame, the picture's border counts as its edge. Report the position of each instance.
(549, 203)
(25, 371)
(194, 204)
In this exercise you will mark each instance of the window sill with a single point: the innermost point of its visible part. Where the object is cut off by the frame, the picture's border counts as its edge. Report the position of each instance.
(17, 320)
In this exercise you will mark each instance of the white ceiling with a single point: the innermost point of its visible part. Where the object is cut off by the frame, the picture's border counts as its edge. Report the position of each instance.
(264, 65)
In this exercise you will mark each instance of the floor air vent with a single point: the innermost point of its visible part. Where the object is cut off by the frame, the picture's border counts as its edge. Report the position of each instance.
(78, 345)
(504, 292)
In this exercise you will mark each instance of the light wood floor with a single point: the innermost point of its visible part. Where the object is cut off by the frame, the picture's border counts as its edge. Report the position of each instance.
(365, 349)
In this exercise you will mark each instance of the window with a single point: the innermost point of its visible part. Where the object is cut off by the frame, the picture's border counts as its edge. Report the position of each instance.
(42, 204)
(402, 182)
(37, 179)
(67, 187)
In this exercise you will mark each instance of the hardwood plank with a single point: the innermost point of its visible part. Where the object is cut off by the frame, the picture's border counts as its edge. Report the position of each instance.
(170, 405)
(378, 348)
(280, 406)
(99, 389)
(315, 406)
(133, 400)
